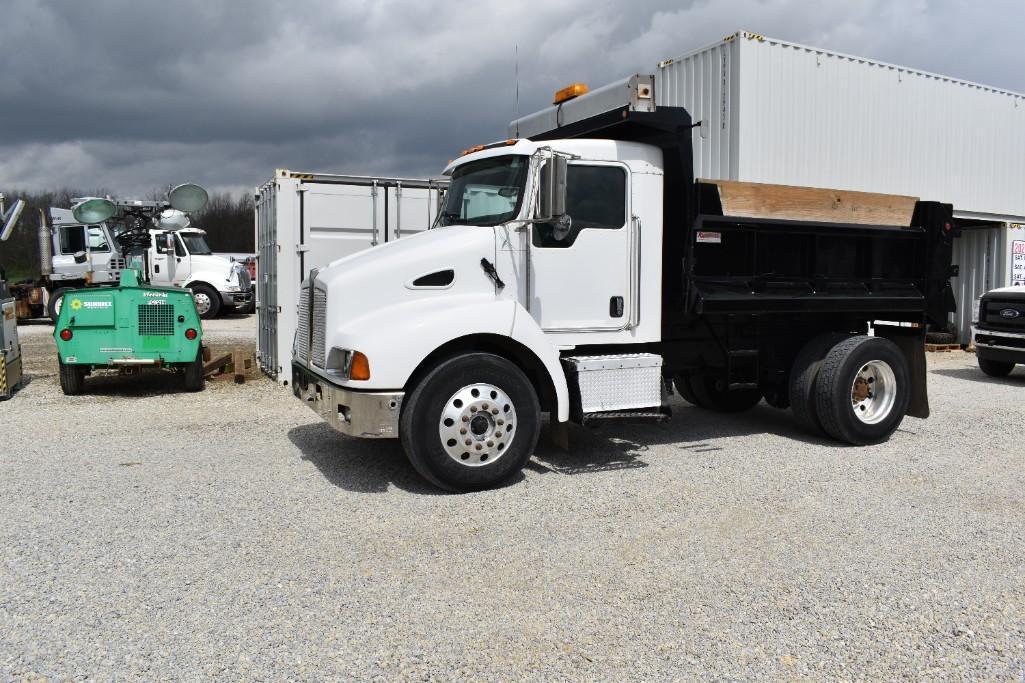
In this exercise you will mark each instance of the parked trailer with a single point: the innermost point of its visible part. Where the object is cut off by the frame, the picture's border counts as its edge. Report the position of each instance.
(771, 111)
(585, 273)
(305, 221)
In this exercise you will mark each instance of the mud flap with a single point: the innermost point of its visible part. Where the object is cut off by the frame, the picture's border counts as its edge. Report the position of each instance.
(911, 342)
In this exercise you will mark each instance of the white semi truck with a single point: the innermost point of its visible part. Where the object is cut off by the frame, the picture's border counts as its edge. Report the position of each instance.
(73, 255)
(582, 272)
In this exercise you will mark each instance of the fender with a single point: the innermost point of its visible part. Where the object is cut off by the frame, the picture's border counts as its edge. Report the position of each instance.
(398, 338)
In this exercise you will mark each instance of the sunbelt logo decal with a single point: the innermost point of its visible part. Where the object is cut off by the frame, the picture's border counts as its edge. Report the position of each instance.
(77, 304)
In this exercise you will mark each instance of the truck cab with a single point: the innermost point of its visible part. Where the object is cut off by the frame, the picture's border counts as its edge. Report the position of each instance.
(587, 275)
(182, 258)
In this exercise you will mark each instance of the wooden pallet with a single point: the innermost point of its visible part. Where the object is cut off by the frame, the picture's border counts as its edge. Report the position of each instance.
(942, 347)
(238, 362)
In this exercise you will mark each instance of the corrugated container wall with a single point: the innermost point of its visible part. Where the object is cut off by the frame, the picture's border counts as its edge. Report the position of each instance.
(777, 112)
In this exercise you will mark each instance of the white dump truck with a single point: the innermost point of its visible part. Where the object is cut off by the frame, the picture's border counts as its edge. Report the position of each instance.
(583, 272)
(73, 256)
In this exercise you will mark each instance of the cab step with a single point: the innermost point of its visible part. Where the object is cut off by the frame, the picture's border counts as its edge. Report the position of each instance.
(617, 387)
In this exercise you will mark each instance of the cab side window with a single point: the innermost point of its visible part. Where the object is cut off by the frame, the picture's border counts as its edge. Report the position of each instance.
(595, 200)
(97, 239)
(72, 238)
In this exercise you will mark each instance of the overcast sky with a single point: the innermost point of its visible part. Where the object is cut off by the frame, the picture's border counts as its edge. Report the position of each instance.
(131, 95)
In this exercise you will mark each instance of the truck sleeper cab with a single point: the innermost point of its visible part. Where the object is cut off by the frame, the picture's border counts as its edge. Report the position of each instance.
(588, 275)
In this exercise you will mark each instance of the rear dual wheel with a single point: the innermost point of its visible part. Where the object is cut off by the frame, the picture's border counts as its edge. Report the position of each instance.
(859, 393)
(471, 423)
(711, 393)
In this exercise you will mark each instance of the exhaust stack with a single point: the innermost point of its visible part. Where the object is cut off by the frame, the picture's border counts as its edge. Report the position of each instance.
(45, 244)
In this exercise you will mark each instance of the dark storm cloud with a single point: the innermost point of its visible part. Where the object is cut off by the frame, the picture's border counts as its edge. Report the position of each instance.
(133, 95)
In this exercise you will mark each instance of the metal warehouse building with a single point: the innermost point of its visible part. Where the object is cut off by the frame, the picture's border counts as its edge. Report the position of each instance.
(777, 112)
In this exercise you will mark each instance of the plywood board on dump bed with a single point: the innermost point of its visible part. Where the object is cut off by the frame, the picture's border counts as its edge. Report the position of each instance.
(761, 200)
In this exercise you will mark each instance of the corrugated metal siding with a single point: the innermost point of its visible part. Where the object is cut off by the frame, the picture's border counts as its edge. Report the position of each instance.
(703, 83)
(805, 116)
(979, 253)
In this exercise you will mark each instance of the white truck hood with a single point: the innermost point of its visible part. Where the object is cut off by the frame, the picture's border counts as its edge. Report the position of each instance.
(216, 270)
(369, 281)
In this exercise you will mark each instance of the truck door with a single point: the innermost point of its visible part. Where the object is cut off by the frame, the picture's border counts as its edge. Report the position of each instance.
(583, 282)
(169, 262)
(100, 253)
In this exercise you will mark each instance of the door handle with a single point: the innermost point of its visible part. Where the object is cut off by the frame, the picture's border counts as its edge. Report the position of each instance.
(156, 267)
(616, 307)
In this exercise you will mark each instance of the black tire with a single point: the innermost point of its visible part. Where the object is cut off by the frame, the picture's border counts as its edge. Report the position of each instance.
(682, 384)
(836, 383)
(711, 395)
(995, 368)
(207, 300)
(55, 300)
(940, 338)
(803, 374)
(194, 373)
(423, 419)
(72, 378)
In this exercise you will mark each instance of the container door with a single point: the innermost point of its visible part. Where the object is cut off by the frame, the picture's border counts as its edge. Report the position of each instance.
(410, 210)
(266, 281)
(583, 282)
(977, 253)
(339, 220)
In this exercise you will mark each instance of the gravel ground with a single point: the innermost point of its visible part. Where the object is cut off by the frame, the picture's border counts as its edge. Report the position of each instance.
(231, 534)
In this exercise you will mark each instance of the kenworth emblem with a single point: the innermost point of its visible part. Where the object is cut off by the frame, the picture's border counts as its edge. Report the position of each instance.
(1010, 313)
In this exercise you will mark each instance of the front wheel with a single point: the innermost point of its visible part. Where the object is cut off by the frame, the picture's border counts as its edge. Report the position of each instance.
(471, 423)
(995, 368)
(208, 301)
(862, 391)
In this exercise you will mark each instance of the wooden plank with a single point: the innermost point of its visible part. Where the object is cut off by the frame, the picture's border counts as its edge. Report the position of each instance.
(216, 364)
(787, 202)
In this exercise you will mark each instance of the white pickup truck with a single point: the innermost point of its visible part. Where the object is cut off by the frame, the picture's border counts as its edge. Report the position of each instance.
(999, 330)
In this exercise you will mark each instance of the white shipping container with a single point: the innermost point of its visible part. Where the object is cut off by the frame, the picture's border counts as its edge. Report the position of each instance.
(307, 220)
(778, 112)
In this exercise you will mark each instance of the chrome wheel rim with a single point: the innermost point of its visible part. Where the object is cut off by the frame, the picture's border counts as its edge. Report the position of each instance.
(202, 303)
(874, 392)
(57, 305)
(477, 425)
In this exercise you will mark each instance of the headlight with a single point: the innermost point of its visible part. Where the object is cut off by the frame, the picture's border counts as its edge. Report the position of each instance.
(348, 364)
(976, 307)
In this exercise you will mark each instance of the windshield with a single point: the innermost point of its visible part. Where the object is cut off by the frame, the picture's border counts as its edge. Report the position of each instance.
(196, 243)
(485, 192)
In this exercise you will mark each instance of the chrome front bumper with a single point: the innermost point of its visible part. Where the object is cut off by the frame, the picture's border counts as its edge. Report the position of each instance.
(367, 414)
(995, 339)
(236, 299)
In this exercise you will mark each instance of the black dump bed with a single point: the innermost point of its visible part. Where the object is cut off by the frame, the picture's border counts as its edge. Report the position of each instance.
(754, 266)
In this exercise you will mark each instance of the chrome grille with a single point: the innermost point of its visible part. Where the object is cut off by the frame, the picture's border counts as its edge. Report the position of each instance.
(302, 336)
(319, 325)
(156, 320)
(244, 281)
